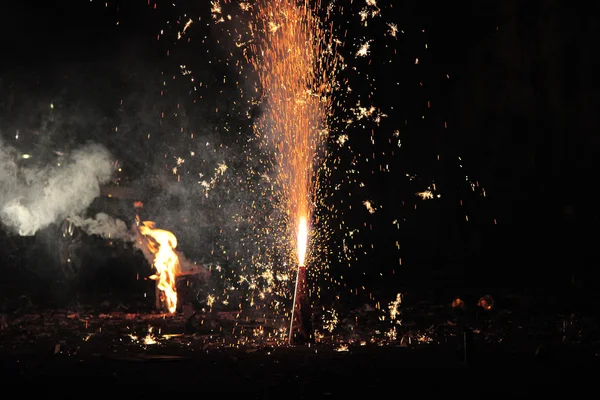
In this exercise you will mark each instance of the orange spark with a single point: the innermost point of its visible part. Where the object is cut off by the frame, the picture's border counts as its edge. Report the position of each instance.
(295, 62)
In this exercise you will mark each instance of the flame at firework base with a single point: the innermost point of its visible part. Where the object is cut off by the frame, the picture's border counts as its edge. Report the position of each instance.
(301, 331)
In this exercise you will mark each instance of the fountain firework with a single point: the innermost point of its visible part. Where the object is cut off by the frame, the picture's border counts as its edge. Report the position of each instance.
(294, 59)
(296, 210)
(301, 324)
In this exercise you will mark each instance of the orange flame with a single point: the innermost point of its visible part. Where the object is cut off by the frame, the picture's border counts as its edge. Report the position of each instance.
(162, 244)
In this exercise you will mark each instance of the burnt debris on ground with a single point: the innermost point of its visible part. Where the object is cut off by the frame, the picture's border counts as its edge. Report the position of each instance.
(120, 344)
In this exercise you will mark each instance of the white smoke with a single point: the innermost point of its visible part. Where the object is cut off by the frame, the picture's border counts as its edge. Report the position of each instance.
(33, 198)
(105, 226)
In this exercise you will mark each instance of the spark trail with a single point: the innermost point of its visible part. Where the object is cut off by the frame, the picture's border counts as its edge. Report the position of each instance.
(295, 60)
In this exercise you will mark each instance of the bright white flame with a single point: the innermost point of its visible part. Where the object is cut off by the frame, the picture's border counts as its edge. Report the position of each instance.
(302, 240)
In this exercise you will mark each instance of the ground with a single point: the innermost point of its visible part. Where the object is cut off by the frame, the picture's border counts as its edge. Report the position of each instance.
(227, 352)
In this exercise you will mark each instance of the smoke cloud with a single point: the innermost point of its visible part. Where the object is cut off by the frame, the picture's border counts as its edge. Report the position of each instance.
(105, 226)
(32, 198)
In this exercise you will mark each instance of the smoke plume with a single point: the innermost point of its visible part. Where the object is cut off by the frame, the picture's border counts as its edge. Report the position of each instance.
(105, 226)
(32, 198)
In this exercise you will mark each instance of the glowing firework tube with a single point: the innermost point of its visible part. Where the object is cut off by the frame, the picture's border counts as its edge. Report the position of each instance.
(301, 321)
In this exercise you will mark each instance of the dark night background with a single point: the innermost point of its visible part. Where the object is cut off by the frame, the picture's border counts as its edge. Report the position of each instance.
(520, 107)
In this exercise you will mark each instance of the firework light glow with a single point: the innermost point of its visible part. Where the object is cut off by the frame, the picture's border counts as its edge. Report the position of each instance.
(295, 60)
(290, 56)
(287, 145)
(312, 139)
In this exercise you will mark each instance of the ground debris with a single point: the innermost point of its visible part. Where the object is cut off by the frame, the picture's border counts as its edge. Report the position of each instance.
(126, 334)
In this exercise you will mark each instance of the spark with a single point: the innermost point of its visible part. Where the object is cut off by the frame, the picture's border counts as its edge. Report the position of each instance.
(185, 28)
(425, 194)
(369, 206)
(221, 168)
(363, 50)
(394, 306)
(187, 25)
(330, 320)
(215, 8)
(210, 300)
(393, 31)
(296, 64)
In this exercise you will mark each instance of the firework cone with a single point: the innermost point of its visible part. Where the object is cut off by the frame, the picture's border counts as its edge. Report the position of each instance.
(301, 331)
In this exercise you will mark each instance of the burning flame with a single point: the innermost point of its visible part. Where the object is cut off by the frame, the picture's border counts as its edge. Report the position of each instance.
(162, 243)
(302, 240)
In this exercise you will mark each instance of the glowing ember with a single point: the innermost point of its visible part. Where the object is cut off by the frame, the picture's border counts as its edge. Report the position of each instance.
(162, 243)
(486, 302)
